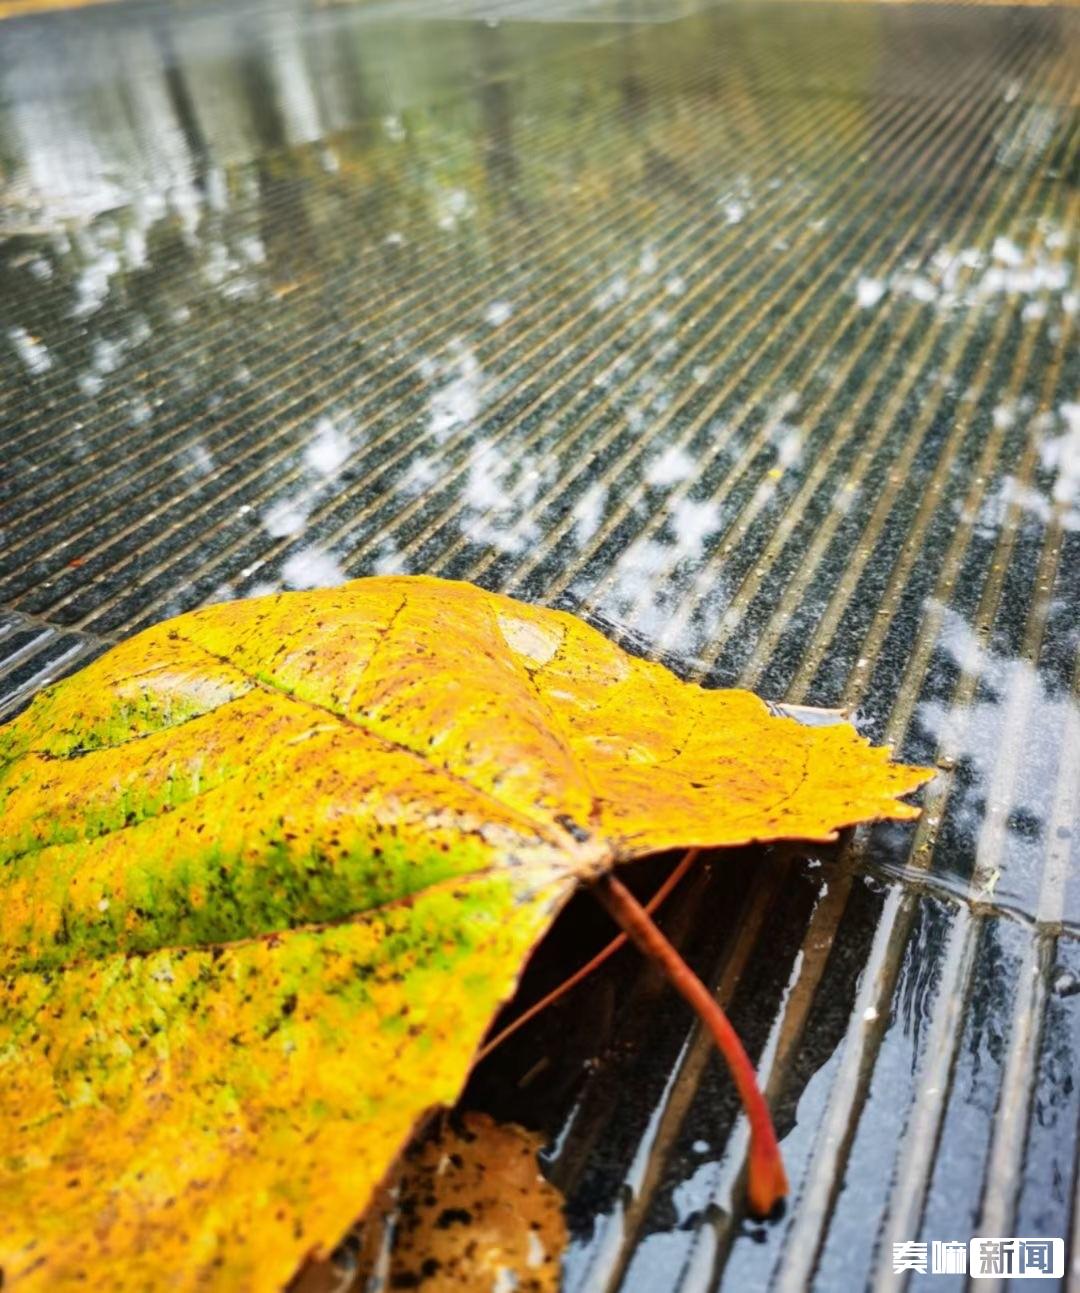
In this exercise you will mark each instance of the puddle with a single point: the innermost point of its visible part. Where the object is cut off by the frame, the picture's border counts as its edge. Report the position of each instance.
(601, 312)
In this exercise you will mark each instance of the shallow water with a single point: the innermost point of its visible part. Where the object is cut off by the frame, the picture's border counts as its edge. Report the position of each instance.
(748, 332)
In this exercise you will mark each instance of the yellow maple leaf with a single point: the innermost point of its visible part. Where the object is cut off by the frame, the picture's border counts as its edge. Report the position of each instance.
(269, 871)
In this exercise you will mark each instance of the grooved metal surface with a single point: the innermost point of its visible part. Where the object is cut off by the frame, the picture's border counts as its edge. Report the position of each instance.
(748, 332)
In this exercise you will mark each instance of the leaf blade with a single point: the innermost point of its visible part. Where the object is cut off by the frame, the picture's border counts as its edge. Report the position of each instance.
(285, 774)
(237, 1083)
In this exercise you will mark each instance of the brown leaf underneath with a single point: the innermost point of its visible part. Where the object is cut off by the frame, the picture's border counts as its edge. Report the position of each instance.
(469, 1210)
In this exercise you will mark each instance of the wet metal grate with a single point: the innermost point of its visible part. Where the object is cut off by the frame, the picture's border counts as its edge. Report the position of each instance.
(750, 333)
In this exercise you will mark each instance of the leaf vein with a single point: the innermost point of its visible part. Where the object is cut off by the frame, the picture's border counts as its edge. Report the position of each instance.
(268, 683)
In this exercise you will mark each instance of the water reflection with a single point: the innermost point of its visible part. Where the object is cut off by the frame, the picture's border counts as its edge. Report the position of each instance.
(1010, 739)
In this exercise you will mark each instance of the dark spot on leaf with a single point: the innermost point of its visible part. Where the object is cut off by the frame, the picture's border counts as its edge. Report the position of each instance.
(453, 1217)
(571, 827)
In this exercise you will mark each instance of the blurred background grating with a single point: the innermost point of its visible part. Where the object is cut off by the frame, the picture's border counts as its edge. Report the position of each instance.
(747, 331)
